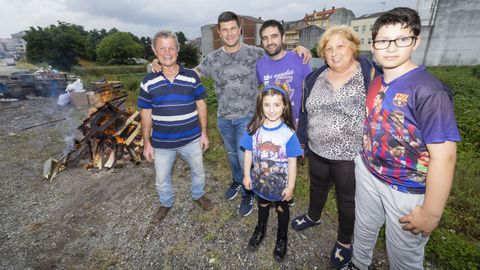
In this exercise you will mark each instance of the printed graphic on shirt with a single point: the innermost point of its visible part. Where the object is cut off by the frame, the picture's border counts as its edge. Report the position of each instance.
(392, 142)
(272, 169)
(283, 80)
(271, 148)
(400, 100)
(403, 116)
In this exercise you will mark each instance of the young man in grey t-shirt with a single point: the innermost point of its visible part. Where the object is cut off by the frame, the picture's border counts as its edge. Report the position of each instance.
(232, 67)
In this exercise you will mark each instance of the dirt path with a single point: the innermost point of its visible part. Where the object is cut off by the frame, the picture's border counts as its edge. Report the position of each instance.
(101, 219)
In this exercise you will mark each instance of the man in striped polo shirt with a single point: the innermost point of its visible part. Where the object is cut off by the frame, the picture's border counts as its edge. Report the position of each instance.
(174, 120)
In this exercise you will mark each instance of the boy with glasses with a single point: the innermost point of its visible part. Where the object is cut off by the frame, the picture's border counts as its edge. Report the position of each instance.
(406, 195)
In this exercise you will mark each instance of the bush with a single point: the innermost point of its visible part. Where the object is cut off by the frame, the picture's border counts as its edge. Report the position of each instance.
(118, 48)
(452, 251)
(476, 71)
(455, 244)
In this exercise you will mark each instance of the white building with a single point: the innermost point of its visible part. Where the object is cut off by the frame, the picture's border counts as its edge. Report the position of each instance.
(363, 25)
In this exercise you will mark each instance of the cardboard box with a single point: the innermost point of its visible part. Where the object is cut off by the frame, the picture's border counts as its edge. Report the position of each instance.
(78, 99)
(85, 99)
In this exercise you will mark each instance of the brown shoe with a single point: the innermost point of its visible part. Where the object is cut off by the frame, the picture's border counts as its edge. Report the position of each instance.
(160, 215)
(205, 203)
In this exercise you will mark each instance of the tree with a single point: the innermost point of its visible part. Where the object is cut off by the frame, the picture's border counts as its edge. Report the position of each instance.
(147, 48)
(94, 38)
(181, 38)
(314, 52)
(188, 55)
(59, 45)
(118, 48)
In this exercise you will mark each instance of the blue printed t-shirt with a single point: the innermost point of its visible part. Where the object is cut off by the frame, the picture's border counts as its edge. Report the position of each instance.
(403, 116)
(174, 109)
(271, 148)
(287, 72)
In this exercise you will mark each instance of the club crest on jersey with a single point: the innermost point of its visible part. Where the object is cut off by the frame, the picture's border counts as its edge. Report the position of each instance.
(400, 100)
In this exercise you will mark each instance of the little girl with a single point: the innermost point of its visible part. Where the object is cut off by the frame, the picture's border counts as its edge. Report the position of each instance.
(272, 147)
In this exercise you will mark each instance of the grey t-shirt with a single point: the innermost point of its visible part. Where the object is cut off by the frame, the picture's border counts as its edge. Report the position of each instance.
(235, 79)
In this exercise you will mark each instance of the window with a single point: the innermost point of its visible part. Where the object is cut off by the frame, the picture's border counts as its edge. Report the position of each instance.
(369, 40)
(362, 41)
(371, 27)
(355, 28)
(364, 27)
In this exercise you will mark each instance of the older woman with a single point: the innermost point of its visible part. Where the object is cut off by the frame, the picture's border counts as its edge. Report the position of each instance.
(330, 127)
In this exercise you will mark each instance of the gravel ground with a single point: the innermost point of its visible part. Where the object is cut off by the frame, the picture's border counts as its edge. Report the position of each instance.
(102, 219)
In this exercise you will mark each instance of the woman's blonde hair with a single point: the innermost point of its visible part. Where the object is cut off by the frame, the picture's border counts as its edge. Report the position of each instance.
(343, 30)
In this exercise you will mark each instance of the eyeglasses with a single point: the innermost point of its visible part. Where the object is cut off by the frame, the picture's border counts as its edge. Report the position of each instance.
(399, 42)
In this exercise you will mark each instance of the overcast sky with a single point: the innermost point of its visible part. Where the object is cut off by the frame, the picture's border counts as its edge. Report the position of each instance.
(145, 17)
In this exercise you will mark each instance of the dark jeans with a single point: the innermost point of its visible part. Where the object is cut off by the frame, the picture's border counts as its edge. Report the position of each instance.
(283, 212)
(323, 173)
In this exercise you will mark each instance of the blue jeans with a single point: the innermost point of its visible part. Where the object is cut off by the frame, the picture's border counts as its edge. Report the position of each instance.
(232, 131)
(164, 159)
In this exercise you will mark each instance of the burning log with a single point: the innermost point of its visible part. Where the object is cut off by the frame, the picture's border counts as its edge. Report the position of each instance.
(111, 136)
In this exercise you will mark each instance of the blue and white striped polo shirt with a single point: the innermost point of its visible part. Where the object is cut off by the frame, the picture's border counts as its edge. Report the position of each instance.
(174, 109)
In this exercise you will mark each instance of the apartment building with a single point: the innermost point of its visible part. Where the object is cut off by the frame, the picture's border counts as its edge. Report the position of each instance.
(327, 18)
(363, 26)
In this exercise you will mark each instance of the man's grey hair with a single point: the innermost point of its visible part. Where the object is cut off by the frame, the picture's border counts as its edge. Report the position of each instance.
(165, 34)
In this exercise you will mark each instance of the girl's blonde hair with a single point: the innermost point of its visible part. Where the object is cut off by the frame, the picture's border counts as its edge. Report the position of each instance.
(343, 30)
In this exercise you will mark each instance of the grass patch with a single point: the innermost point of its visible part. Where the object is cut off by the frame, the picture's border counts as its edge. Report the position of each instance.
(452, 250)
(455, 244)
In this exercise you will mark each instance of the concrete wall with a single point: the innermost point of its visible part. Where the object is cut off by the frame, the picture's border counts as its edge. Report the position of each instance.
(317, 62)
(207, 39)
(454, 38)
(309, 36)
(342, 16)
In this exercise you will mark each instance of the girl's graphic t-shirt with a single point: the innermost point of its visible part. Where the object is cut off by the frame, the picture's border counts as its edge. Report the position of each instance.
(271, 148)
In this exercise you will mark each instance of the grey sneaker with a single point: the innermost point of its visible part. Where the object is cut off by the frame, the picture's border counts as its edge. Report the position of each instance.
(232, 191)
(246, 206)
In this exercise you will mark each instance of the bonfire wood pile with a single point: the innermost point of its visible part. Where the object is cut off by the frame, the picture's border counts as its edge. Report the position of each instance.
(111, 137)
(100, 92)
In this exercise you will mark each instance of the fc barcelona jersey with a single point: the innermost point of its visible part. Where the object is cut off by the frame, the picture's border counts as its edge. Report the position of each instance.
(403, 116)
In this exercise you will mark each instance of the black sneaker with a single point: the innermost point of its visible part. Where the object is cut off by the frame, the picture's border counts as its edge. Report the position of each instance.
(246, 206)
(232, 191)
(280, 249)
(256, 238)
